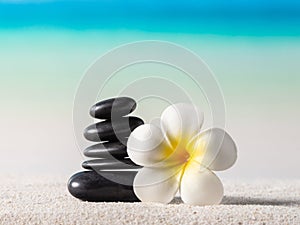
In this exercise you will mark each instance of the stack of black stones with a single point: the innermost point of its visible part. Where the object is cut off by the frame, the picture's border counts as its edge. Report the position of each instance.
(107, 177)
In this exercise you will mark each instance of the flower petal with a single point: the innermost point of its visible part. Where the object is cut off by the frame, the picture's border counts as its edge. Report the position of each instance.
(180, 122)
(214, 148)
(200, 186)
(157, 184)
(147, 146)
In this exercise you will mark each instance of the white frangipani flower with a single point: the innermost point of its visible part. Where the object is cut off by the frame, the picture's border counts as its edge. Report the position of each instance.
(176, 157)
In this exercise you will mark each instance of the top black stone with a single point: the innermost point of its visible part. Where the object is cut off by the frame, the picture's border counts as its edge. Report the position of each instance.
(114, 107)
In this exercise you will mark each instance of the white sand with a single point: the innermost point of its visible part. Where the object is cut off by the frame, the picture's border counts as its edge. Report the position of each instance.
(46, 201)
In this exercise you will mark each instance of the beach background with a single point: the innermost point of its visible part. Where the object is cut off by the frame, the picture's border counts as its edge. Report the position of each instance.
(253, 48)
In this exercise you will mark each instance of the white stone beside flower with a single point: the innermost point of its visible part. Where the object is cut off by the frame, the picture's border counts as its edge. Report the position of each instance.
(176, 156)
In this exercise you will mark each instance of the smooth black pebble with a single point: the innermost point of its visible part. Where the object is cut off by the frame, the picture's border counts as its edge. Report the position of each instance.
(90, 186)
(112, 108)
(112, 130)
(106, 164)
(107, 150)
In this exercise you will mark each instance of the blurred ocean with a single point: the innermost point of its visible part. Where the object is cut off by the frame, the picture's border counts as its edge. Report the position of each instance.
(253, 48)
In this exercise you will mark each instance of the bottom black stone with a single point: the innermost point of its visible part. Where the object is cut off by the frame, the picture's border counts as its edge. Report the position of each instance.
(91, 186)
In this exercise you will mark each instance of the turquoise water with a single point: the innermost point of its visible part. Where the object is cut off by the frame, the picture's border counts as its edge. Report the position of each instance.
(255, 18)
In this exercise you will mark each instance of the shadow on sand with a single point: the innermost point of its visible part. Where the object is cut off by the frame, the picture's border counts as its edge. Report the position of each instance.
(234, 200)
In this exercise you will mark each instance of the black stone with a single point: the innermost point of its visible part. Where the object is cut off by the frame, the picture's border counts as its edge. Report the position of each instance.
(90, 186)
(106, 164)
(112, 130)
(107, 150)
(112, 108)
